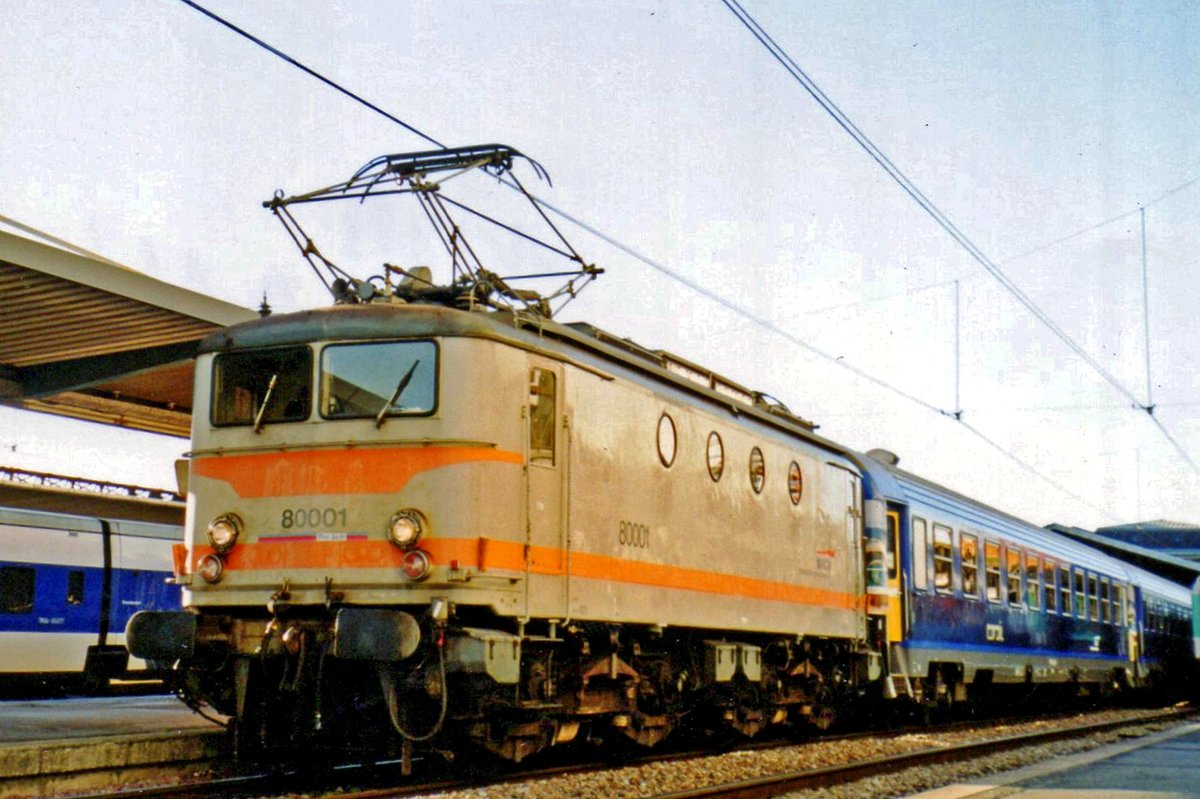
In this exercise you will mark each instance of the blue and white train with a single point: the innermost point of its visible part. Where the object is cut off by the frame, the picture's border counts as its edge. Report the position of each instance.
(978, 598)
(68, 586)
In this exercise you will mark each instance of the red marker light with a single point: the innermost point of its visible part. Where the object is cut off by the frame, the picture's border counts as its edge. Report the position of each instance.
(416, 564)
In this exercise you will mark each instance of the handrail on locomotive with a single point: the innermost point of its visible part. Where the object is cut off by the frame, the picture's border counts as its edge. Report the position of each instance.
(471, 283)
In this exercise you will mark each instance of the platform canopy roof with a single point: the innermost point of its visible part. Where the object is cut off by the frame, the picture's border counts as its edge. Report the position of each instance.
(79, 496)
(84, 337)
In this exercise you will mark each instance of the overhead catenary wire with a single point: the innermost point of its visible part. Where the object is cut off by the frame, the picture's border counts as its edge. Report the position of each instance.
(656, 265)
(927, 205)
(693, 285)
(1171, 192)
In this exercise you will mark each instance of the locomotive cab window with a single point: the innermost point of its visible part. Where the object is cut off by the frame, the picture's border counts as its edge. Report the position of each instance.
(378, 380)
(262, 386)
(541, 416)
(16, 589)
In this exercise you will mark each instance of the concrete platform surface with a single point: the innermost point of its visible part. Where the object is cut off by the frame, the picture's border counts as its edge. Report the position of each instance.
(56, 719)
(1165, 765)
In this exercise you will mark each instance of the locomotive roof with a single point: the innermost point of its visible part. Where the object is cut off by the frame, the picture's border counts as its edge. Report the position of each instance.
(578, 341)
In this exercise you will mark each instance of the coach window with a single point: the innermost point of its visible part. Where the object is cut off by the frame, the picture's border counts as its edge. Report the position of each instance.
(378, 380)
(541, 416)
(968, 551)
(1093, 598)
(758, 470)
(1080, 594)
(1012, 571)
(667, 440)
(1105, 610)
(1064, 590)
(943, 558)
(1049, 592)
(16, 589)
(991, 565)
(919, 554)
(1032, 593)
(1119, 604)
(893, 545)
(75, 588)
(716, 456)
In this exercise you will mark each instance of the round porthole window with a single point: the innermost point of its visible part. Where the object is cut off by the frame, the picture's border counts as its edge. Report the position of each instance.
(758, 470)
(667, 441)
(795, 483)
(716, 456)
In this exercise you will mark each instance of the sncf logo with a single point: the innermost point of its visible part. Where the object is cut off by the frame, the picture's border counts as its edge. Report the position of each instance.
(994, 632)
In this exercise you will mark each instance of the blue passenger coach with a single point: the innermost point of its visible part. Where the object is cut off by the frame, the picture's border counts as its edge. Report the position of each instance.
(68, 586)
(978, 598)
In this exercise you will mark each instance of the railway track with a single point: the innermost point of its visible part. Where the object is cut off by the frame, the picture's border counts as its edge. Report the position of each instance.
(775, 785)
(834, 760)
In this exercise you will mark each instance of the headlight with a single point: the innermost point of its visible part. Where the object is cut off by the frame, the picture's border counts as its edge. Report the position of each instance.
(406, 527)
(416, 565)
(210, 568)
(223, 531)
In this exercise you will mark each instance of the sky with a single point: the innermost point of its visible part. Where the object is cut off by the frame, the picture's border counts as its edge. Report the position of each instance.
(150, 134)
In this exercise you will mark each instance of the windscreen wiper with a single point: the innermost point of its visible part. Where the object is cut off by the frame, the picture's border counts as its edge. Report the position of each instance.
(262, 409)
(403, 384)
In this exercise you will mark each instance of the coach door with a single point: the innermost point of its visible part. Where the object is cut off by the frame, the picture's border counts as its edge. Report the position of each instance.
(546, 461)
(896, 597)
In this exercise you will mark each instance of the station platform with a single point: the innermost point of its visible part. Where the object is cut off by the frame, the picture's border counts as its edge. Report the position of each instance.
(89, 717)
(1165, 765)
(63, 746)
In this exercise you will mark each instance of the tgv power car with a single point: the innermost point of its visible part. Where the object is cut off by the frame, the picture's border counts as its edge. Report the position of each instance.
(68, 586)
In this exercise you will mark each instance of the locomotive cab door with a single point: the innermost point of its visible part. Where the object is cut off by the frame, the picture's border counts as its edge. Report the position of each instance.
(546, 462)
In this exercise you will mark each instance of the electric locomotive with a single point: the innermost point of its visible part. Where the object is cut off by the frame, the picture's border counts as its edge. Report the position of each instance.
(440, 510)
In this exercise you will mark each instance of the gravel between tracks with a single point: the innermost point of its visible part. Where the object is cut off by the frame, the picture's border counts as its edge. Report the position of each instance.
(663, 777)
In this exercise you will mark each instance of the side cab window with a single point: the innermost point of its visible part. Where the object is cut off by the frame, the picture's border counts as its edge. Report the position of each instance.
(541, 416)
